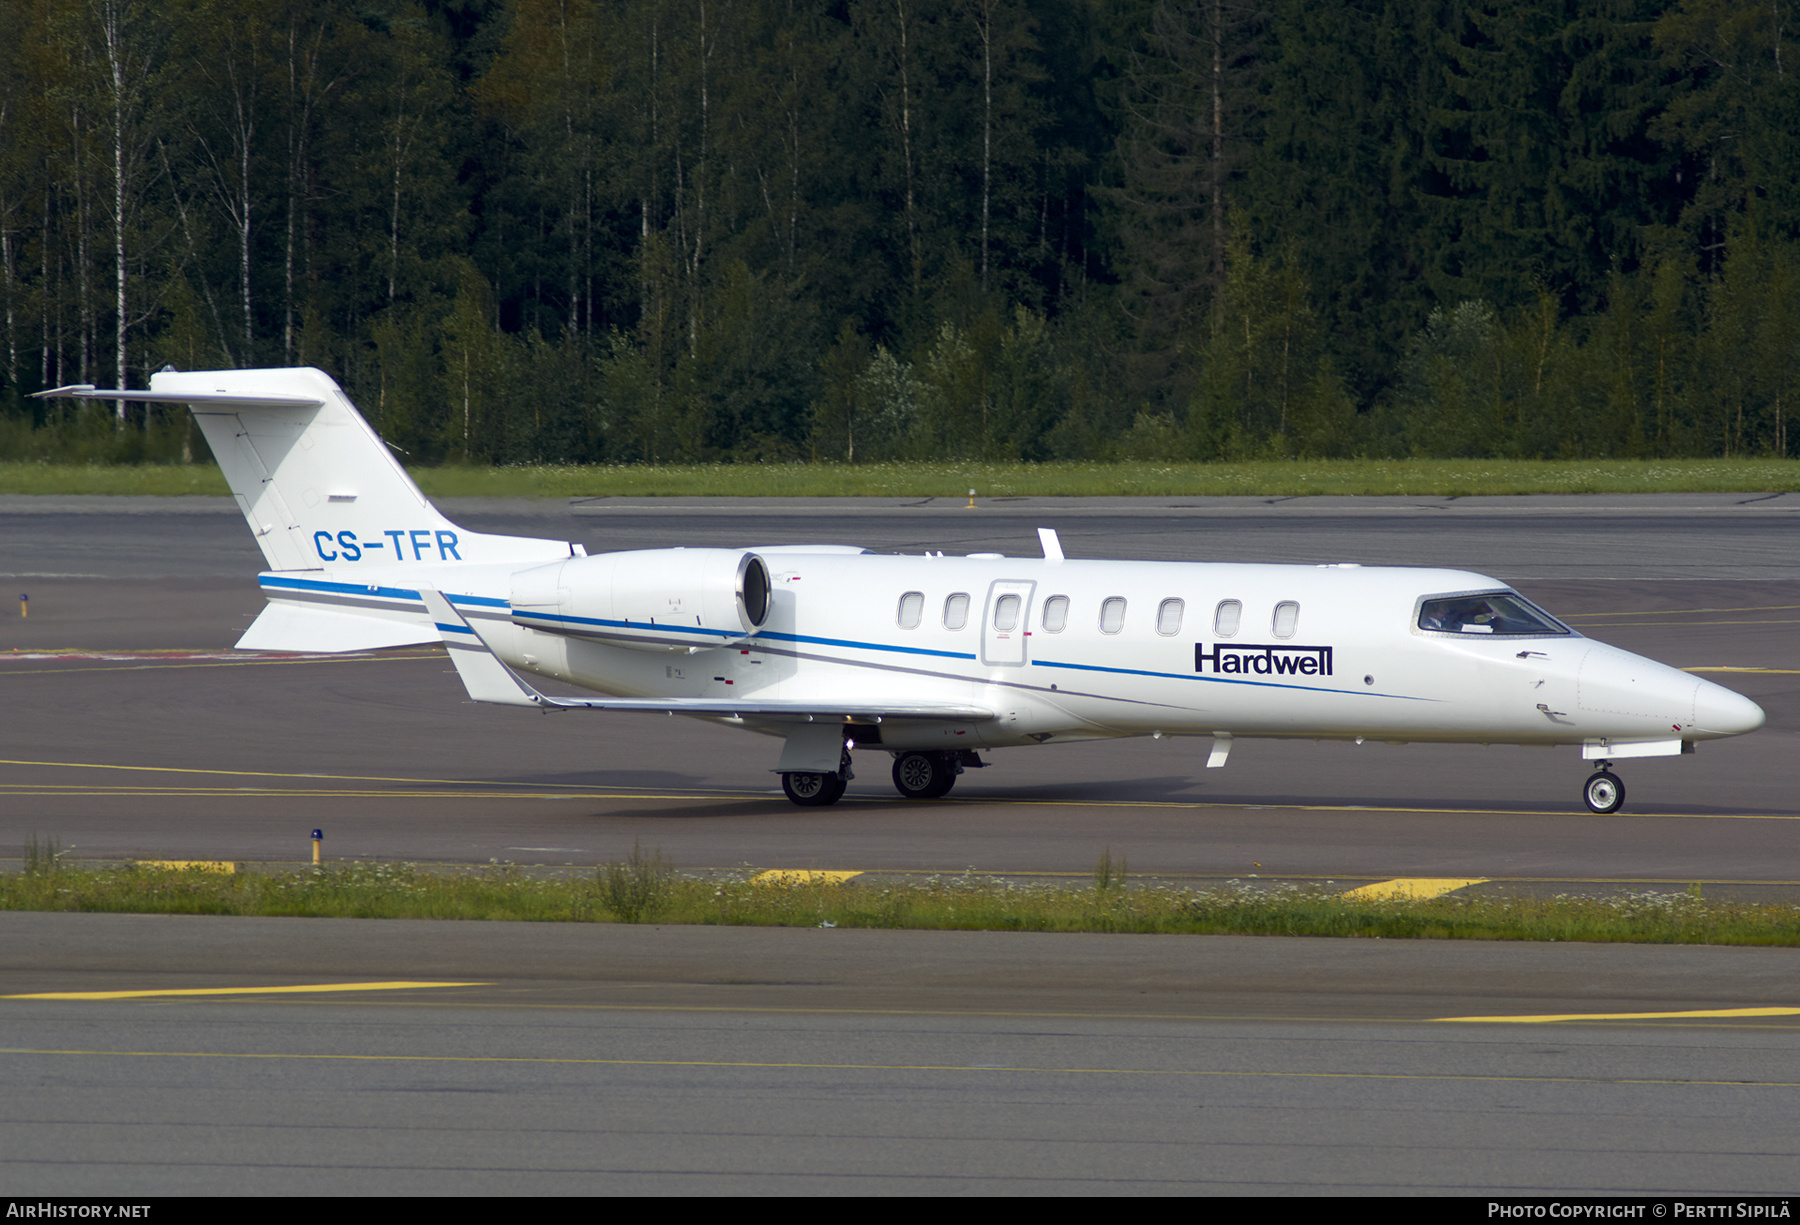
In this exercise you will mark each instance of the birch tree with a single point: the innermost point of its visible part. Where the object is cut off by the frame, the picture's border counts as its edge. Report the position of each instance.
(230, 46)
(125, 36)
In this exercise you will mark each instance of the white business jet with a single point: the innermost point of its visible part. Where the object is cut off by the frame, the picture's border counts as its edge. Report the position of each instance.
(931, 659)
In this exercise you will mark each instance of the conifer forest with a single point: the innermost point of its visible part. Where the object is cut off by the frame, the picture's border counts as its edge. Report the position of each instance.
(640, 231)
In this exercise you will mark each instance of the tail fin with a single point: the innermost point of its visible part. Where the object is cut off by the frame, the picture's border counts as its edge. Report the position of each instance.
(317, 485)
(323, 495)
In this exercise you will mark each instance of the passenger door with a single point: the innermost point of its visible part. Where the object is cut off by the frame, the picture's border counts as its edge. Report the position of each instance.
(1006, 622)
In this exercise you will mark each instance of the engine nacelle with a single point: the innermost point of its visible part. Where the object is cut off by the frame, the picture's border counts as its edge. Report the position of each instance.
(649, 599)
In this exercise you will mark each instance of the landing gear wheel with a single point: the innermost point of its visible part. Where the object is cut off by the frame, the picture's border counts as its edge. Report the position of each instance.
(924, 776)
(1604, 792)
(811, 790)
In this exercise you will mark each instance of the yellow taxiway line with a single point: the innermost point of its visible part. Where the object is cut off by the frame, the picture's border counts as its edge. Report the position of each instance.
(307, 989)
(1679, 612)
(226, 663)
(463, 789)
(1698, 1013)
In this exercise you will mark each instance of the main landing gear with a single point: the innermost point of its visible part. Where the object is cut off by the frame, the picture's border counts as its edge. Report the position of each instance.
(811, 790)
(926, 776)
(1603, 791)
(917, 776)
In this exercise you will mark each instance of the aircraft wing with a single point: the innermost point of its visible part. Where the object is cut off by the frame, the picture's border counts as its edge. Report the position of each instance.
(489, 680)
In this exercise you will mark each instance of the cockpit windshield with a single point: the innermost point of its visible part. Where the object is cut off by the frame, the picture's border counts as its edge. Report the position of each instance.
(1488, 612)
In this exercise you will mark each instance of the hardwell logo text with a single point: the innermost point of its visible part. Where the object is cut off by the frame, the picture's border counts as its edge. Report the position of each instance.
(1262, 659)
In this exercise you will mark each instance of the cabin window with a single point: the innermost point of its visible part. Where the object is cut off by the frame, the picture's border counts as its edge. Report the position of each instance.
(1006, 613)
(956, 611)
(1056, 614)
(912, 610)
(1112, 615)
(1168, 617)
(1287, 619)
(1225, 620)
(1495, 612)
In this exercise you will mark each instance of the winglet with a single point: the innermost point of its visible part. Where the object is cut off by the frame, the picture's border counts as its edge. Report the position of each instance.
(482, 673)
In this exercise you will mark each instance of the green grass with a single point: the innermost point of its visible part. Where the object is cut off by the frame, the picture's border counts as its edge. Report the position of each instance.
(645, 889)
(1282, 478)
(157, 480)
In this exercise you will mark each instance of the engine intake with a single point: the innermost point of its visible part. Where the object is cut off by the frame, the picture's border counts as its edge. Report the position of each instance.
(648, 599)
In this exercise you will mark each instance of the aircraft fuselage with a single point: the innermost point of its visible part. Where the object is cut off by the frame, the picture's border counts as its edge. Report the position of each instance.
(1138, 648)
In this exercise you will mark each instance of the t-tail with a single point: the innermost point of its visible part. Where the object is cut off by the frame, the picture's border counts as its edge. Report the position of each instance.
(348, 536)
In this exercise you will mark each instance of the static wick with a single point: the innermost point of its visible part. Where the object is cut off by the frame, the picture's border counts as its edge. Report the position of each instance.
(318, 848)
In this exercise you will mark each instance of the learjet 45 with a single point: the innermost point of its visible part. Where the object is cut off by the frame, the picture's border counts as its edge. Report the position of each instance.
(929, 658)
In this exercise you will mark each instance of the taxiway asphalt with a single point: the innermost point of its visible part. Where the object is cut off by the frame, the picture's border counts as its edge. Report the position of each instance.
(156, 1055)
(620, 1059)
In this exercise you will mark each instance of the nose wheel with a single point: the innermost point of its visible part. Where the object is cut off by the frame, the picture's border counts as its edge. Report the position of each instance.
(1604, 792)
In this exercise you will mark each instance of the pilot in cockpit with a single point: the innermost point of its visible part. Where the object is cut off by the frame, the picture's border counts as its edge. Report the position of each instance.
(1495, 613)
(1469, 616)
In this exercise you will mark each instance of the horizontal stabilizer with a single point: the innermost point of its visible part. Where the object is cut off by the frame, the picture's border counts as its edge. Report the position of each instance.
(489, 680)
(87, 391)
(289, 627)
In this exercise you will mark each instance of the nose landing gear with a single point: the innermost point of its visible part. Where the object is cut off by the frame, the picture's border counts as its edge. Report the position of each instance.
(1603, 791)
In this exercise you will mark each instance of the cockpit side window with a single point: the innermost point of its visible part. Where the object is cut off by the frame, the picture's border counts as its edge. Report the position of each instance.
(1500, 613)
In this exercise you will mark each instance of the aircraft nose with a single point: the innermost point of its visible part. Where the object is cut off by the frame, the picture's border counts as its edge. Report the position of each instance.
(1723, 713)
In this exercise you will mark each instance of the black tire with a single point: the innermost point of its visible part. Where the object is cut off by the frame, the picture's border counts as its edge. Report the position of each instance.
(810, 790)
(1604, 793)
(923, 776)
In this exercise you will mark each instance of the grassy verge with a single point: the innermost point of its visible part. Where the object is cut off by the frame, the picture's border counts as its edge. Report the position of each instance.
(644, 889)
(1293, 478)
(154, 480)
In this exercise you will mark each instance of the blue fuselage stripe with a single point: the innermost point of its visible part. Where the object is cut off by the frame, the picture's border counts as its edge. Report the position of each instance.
(864, 646)
(765, 636)
(525, 618)
(377, 593)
